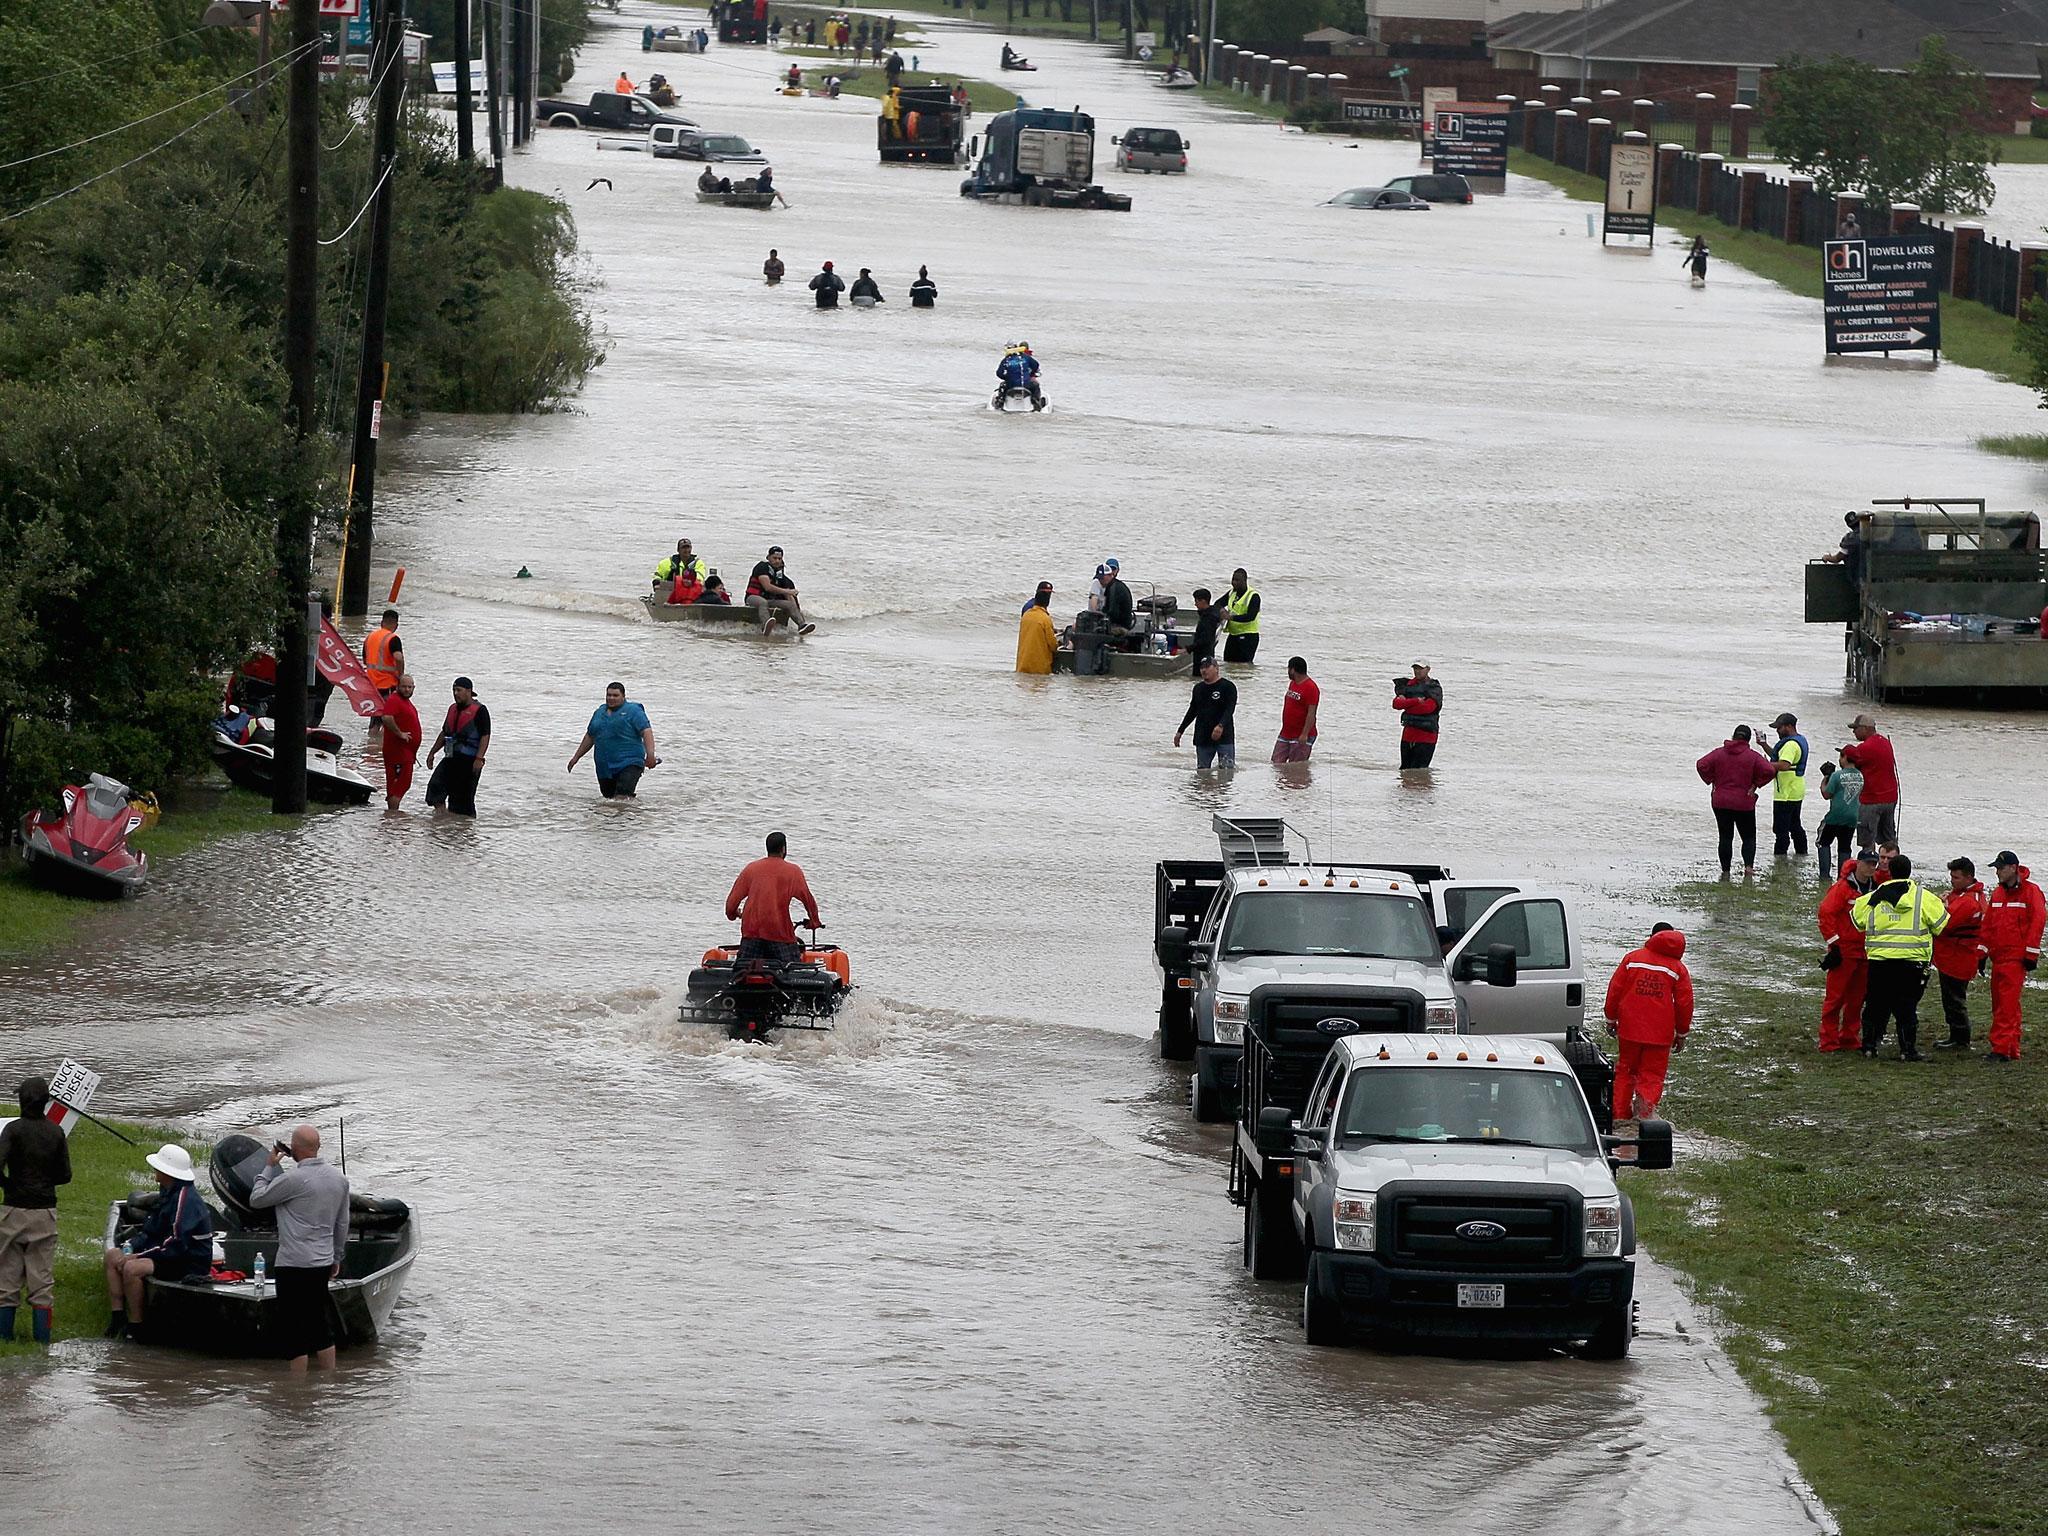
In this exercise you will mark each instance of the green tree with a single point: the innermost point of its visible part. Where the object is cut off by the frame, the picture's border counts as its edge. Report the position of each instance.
(1897, 137)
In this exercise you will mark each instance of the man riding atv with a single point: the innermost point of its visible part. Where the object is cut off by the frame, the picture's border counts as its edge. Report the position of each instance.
(760, 899)
(1018, 371)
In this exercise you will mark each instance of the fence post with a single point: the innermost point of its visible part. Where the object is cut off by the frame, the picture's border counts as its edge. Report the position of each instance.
(1276, 80)
(1745, 207)
(1226, 63)
(1559, 126)
(1904, 217)
(1796, 189)
(1255, 81)
(1312, 85)
(1596, 141)
(1610, 105)
(1710, 171)
(1583, 105)
(1530, 109)
(2031, 257)
(1739, 116)
(1642, 115)
(1667, 169)
(1337, 84)
(1702, 122)
(1297, 84)
(1962, 272)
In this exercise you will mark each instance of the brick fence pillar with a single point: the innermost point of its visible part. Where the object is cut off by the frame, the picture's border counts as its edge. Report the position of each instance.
(1740, 115)
(1796, 188)
(1962, 272)
(1532, 110)
(1255, 77)
(1314, 85)
(1297, 83)
(1667, 169)
(1702, 122)
(1338, 83)
(1596, 141)
(1745, 209)
(1847, 203)
(1560, 125)
(1710, 173)
(1904, 217)
(1276, 79)
(1642, 115)
(2032, 254)
(1226, 61)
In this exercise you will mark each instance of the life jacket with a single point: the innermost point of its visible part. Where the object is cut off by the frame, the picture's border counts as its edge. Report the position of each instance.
(688, 586)
(461, 729)
(1791, 782)
(1238, 605)
(1421, 723)
(377, 657)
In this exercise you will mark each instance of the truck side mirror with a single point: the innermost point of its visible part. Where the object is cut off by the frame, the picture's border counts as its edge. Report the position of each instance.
(1117, 139)
(1500, 965)
(1172, 947)
(1653, 1144)
(1276, 1129)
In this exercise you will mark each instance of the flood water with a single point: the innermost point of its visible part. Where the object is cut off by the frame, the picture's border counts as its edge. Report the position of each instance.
(965, 1264)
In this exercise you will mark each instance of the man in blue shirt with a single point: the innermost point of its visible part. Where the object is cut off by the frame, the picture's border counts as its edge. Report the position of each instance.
(623, 741)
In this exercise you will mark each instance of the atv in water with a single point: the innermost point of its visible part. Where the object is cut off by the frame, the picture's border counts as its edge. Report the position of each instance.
(752, 997)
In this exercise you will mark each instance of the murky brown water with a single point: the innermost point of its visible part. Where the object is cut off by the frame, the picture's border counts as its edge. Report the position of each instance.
(965, 1264)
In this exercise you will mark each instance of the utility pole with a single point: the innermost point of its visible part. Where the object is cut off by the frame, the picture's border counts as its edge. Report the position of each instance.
(465, 133)
(355, 561)
(494, 93)
(301, 325)
(1209, 53)
(1130, 29)
(1094, 21)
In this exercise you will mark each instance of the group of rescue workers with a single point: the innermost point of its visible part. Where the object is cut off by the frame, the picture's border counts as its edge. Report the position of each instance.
(683, 578)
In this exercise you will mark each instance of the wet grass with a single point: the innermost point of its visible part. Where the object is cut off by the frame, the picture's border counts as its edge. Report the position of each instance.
(32, 918)
(871, 82)
(1971, 334)
(103, 1170)
(2017, 445)
(2020, 149)
(1872, 1244)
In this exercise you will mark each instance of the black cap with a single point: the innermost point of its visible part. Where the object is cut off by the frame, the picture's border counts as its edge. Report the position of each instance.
(463, 682)
(1786, 718)
(2007, 857)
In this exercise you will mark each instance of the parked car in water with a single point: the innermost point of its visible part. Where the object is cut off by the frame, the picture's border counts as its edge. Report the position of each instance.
(1151, 149)
(1443, 187)
(727, 148)
(1377, 199)
(606, 109)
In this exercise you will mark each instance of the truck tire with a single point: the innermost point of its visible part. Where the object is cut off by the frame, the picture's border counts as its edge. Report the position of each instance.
(1616, 1332)
(1322, 1324)
(1205, 1098)
(1176, 1024)
(563, 120)
(1272, 1249)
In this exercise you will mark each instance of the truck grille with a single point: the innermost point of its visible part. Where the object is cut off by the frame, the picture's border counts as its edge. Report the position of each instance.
(1425, 1229)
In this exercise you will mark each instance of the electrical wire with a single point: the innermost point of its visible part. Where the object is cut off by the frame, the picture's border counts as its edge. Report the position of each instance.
(22, 213)
(352, 223)
(44, 154)
(76, 69)
(370, 95)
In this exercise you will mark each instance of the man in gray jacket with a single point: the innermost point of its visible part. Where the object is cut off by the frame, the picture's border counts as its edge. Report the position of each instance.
(311, 1201)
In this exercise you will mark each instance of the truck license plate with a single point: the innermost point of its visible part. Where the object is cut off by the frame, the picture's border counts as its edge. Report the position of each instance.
(1482, 1295)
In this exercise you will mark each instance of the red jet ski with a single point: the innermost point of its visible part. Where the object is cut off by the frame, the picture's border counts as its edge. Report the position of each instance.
(85, 848)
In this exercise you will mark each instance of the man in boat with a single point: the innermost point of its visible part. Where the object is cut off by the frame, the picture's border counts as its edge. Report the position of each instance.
(685, 558)
(865, 287)
(794, 79)
(624, 84)
(760, 900)
(623, 739)
(828, 285)
(771, 593)
(711, 181)
(175, 1243)
(924, 293)
(714, 591)
(401, 741)
(1019, 370)
(311, 1201)
(765, 182)
(1118, 606)
(35, 1158)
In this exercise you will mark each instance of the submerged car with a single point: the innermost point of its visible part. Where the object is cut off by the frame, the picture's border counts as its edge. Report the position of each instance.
(1377, 199)
(1442, 187)
(728, 148)
(1151, 149)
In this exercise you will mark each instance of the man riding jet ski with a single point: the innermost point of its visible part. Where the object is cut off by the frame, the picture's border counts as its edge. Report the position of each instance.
(1018, 373)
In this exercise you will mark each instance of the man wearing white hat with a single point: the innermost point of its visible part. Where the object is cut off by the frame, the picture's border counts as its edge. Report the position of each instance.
(176, 1241)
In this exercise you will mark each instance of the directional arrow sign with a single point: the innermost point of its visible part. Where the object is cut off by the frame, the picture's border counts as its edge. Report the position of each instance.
(1881, 295)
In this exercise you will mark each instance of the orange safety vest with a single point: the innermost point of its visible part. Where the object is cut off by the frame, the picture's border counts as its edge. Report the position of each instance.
(377, 657)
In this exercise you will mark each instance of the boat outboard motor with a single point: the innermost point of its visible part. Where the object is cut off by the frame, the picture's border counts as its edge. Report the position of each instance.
(1091, 635)
(236, 1161)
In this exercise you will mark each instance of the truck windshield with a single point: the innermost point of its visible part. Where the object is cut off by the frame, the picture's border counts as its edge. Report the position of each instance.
(1318, 922)
(1467, 1104)
(726, 144)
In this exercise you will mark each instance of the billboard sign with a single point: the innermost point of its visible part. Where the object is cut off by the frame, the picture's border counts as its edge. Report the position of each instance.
(1881, 295)
(1471, 140)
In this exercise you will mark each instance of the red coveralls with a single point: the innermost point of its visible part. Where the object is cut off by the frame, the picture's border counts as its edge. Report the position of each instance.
(1841, 1009)
(2013, 920)
(1649, 1002)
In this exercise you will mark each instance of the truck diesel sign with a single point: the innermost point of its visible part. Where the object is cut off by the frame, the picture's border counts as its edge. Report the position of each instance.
(1394, 113)
(1881, 295)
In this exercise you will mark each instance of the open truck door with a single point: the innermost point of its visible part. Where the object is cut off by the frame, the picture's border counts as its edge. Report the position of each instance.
(1547, 996)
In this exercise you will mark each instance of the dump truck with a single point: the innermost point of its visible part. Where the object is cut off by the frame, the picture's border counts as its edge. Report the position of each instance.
(930, 128)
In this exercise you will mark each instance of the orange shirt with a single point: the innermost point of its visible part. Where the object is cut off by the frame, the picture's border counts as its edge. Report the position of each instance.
(378, 645)
(766, 887)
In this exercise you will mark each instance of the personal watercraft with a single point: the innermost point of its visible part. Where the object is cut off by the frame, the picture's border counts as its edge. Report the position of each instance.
(84, 848)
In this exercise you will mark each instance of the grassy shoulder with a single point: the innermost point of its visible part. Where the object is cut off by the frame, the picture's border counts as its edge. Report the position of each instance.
(871, 82)
(32, 918)
(1971, 334)
(1867, 1232)
(2017, 445)
(103, 1169)
(2020, 149)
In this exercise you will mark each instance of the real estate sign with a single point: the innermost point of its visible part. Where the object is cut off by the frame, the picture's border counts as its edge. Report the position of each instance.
(1393, 113)
(1881, 295)
(1471, 140)
(1631, 191)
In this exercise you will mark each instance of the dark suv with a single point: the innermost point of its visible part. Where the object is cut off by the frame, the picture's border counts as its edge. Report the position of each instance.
(1434, 189)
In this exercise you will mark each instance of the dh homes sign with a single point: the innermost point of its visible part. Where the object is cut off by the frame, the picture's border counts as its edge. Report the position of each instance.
(1881, 295)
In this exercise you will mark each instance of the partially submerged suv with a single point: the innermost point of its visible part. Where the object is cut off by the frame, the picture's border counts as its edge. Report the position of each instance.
(1455, 1187)
(1151, 149)
(1440, 187)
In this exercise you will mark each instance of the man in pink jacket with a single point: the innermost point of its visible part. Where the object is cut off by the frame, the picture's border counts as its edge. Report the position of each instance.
(1736, 771)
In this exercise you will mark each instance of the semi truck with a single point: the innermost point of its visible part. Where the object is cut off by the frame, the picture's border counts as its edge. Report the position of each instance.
(1040, 157)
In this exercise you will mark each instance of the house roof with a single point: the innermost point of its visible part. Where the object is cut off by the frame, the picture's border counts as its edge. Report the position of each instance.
(1999, 37)
(1332, 35)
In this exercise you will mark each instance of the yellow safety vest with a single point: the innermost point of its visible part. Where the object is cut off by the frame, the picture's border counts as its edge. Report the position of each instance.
(667, 568)
(1236, 604)
(1904, 931)
(1791, 785)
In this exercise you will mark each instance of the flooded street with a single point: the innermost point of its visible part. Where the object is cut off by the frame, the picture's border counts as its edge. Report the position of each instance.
(965, 1264)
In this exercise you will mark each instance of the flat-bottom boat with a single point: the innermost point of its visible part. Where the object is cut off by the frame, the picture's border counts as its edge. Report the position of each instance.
(739, 199)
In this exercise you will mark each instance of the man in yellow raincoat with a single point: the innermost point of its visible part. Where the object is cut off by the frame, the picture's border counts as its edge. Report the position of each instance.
(892, 112)
(1036, 637)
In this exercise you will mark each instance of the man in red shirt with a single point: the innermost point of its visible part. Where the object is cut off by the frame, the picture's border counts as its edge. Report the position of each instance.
(760, 899)
(2014, 916)
(1958, 950)
(1878, 805)
(1297, 715)
(1649, 1007)
(1420, 699)
(401, 744)
(1845, 960)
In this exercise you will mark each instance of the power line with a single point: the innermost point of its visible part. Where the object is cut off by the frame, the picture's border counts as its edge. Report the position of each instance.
(77, 69)
(370, 95)
(44, 154)
(352, 223)
(23, 213)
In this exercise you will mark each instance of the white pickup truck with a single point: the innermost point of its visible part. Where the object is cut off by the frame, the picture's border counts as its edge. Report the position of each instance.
(1396, 947)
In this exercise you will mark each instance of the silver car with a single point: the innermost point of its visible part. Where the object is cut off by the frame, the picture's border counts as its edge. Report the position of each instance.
(1151, 149)
(1379, 200)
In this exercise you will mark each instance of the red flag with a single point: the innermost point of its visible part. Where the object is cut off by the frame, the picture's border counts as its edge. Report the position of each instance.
(341, 667)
